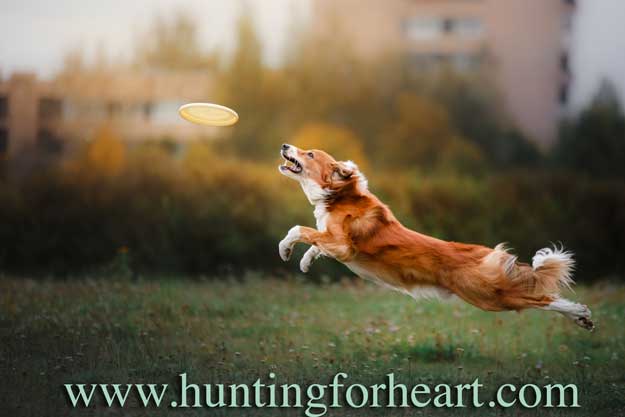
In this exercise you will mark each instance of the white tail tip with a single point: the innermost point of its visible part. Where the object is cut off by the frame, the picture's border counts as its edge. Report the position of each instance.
(556, 256)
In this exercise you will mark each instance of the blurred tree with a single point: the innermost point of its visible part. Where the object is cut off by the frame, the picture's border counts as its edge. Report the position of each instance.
(73, 62)
(421, 136)
(172, 44)
(106, 154)
(326, 80)
(101, 61)
(594, 142)
(246, 67)
(255, 92)
(475, 109)
(198, 156)
(338, 141)
(324, 71)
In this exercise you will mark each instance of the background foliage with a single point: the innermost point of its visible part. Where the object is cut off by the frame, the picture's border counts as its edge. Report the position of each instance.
(436, 147)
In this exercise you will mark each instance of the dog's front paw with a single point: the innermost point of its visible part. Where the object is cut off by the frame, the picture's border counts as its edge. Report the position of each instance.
(304, 264)
(285, 250)
(285, 247)
(309, 257)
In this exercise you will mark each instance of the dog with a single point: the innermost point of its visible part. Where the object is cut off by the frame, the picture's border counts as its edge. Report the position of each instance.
(356, 228)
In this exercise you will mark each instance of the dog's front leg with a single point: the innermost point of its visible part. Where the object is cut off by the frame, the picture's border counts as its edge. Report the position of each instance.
(285, 247)
(333, 245)
(309, 257)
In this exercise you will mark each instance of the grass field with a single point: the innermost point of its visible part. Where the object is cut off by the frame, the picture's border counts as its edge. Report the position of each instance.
(116, 331)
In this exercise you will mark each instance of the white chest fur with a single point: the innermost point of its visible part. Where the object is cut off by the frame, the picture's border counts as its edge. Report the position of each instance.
(321, 216)
(313, 191)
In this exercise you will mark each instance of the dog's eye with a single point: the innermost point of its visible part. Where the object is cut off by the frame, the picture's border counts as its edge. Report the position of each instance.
(310, 155)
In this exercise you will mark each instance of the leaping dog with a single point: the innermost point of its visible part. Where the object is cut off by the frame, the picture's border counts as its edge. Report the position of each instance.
(357, 229)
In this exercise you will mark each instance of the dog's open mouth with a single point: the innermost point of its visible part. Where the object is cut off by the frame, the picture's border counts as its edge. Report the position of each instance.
(291, 164)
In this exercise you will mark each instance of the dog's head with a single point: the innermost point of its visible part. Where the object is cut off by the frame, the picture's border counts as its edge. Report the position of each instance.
(317, 169)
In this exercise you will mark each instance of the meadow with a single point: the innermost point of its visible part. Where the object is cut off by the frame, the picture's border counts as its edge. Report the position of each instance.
(239, 329)
(437, 146)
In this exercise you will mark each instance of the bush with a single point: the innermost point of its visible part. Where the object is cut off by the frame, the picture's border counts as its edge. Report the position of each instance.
(594, 141)
(529, 211)
(203, 213)
(339, 142)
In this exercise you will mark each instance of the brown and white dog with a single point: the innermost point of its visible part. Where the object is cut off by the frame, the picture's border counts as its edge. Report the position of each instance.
(355, 228)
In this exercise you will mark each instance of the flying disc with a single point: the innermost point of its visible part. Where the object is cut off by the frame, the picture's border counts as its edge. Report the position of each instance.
(208, 114)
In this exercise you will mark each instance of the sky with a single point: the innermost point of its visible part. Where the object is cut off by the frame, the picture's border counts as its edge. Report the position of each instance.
(34, 34)
(599, 48)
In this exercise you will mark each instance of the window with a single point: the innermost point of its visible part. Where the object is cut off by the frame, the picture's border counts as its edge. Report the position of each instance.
(423, 28)
(468, 27)
(50, 109)
(465, 62)
(4, 107)
(48, 141)
(426, 28)
(564, 63)
(434, 61)
(428, 61)
(166, 113)
(4, 141)
(147, 110)
(563, 94)
(113, 109)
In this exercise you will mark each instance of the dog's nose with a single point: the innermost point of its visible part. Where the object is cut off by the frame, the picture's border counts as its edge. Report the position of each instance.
(285, 146)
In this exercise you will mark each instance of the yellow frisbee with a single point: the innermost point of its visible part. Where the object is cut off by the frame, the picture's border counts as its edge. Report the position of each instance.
(208, 114)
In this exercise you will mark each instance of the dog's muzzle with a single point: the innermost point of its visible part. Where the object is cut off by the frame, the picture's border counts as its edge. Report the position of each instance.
(291, 164)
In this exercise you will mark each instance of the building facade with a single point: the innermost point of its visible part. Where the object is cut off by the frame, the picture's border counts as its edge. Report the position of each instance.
(49, 114)
(526, 43)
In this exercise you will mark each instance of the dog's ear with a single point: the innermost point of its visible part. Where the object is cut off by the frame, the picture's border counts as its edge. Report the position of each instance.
(343, 170)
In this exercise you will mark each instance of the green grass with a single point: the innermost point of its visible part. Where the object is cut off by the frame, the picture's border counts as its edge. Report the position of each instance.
(112, 331)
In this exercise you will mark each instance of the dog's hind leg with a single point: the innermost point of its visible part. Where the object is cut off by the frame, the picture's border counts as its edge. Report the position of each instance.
(579, 313)
(309, 257)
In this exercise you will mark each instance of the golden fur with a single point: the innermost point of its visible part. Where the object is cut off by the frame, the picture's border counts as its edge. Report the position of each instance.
(357, 229)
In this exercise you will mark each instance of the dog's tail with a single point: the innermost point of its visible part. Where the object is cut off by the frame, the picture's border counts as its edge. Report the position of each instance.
(550, 272)
(553, 269)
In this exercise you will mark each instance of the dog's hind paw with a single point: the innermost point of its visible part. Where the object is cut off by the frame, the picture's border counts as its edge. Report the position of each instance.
(586, 323)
